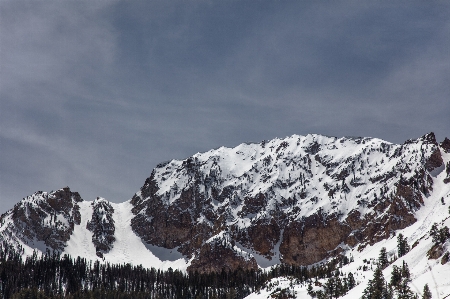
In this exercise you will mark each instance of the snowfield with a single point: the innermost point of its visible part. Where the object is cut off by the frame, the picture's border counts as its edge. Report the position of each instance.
(128, 247)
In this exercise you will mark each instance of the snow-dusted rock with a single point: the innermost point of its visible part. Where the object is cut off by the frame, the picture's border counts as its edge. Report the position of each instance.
(297, 200)
(102, 226)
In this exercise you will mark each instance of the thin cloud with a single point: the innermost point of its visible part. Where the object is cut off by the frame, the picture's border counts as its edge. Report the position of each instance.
(94, 94)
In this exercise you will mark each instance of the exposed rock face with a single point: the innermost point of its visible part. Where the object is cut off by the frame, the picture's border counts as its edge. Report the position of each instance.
(102, 226)
(310, 240)
(301, 199)
(434, 161)
(445, 145)
(447, 169)
(46, 217)
(262, 236)
(435, 252)
(297, 200)
(218, 254)
(174, 225)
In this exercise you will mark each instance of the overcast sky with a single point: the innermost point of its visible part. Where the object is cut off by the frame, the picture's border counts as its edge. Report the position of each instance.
(94, 94)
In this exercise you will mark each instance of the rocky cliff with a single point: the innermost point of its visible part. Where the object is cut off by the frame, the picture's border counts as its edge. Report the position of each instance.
(296, 200)
(43, 220)
(102, 226)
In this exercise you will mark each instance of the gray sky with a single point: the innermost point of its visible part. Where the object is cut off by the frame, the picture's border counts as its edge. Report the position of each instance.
(94, 94)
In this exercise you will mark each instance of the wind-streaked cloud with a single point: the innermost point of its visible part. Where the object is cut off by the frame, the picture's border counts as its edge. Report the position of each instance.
(93, 94)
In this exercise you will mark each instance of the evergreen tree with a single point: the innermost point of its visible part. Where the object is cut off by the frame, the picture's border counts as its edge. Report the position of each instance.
(439, 236)
(402, 245)
(320, 295)
(310, 290)
(330, 287)
(404, 291)
(59, 277)
(434, 233)
(388, 292)
(339, 288)
(396, 276)
(350, 281)
(426, 292)
(376, 287)
(444, 234)
(400, 279)
(383, 259)
(405, 271)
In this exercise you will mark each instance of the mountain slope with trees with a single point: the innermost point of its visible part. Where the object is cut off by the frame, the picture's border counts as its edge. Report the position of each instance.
(301, 201)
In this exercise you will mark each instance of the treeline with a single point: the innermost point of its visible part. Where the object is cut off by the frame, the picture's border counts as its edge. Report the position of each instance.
(51, 275)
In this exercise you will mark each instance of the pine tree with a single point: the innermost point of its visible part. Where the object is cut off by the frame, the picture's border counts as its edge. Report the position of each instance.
(320, 295)
(396, 276)
(387, 292)
(383, 259)
(434, 233)
(330, 287)
(339, 289)
(310, 290)
(350, 281)
(444, 234)
(405, 271)
(402, 245)
(426, 292)
(400, 279)
(376, 287)
(404, 291)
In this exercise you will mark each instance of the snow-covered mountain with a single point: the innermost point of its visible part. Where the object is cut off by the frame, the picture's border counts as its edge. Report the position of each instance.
(299, 200)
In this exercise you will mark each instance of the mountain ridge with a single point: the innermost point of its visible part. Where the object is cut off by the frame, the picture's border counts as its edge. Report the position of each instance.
(298, 200)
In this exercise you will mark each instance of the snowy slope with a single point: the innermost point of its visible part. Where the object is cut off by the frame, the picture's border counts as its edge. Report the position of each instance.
(291, 200)
(285, 167)
(128, 248)
(423, 270)
(299, 200)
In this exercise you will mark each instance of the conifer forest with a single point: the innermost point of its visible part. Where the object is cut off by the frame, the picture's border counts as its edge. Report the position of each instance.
(51, 275)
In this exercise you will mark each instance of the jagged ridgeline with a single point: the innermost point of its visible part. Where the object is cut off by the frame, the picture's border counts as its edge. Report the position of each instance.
(295, 201)
(206, 226)
(42, 220)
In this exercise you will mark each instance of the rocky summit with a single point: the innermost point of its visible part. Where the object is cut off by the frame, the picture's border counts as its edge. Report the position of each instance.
(299, 200)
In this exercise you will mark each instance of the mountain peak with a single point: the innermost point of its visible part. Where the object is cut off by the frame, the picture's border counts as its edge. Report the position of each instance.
(298, 200)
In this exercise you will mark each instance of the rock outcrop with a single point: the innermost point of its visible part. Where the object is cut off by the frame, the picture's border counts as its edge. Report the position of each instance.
(301, 199)
(102, 226)
(297, 200)
(47, 218)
